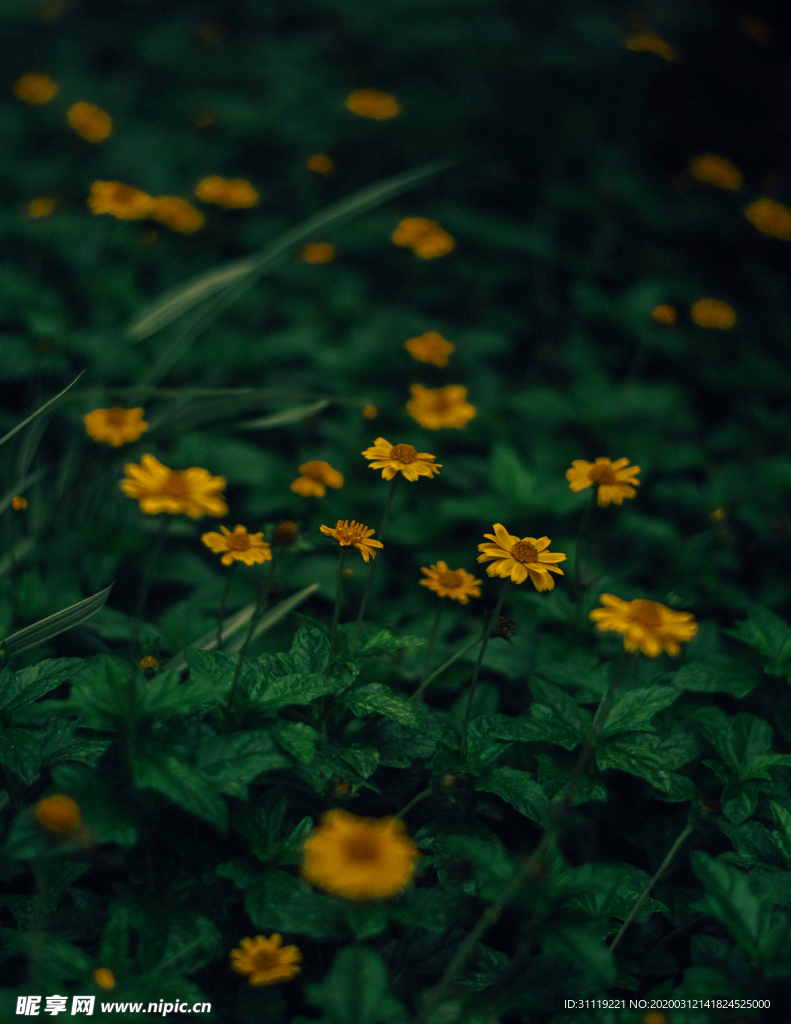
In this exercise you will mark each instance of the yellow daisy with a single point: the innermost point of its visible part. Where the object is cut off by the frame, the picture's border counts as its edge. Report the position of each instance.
(266, 961)
(159, 489)
(104, 978)
(359, 858)
(353, 534)
(18, 502)
(520, 558)
(117, 426)
(35, 88)
(664, 314)
(401, 458)
(231, 193)
(424, 237)
(58, 813)
(370, 412)
(380, 106)
(316, 477)
(122, 201)
(149, 662)
(239, 546)
(430, 348)
(713, 313)
(647, 625)
(454, 583)
(177, 214)
(615, 481)
(434, 408)
(771, 218)
(711, 169)
(89, 121)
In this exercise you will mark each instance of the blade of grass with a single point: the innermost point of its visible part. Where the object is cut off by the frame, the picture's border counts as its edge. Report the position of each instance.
(279, 419)
(273, 616)
(39, 411)
(44, 630)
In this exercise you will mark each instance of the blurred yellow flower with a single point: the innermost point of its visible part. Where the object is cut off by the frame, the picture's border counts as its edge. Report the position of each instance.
(401, 458)
(370, 412)
(454, 583)
(18, 503)
(647, 625)
(771, 218)
(42, 206)
(519, 559)
(117, 426)
(285, 533)
(430, 348)
(320, 163)
(122, 201)
(159, 489)
(316, 477)
(664, 314)
(711, 169)
(266, 961)
(149, 661)
(718, 514)
(615, 479)
(58, 813)
(232, 193)
(434, 408)
(713, 313)
(318, 252)
(650, 42)
(355, 535)
(104, 978)
(380, 106)
(178, 214)
(359, 858)
(239, 546)
(89, 121)
(424, 237)
(35, 88)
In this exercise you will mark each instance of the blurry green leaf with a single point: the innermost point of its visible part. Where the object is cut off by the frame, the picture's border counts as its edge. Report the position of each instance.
(167, 695)
(632, 711)
(18, 689)
(232, 761)
(556, 717)
(638, 754)
(583, 947)
(518, 789)
(769, 635)
(274, 615)
(376, 698)
(554, 778)
(21, 486)
(364, 760)
(53, 625)
(611, 890)
(16, 554)
(182, 783)
(384, 642)
(282, 902)
(782, 837)
(356, 990)
(280, 419)
(716, 673)
(39, 411)
(296, 738)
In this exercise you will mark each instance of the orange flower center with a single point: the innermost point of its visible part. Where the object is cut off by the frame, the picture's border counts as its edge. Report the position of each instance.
(116, 417)
(350, 534)
(264, 960)
(238, 541)
(646, 613)
(602, 475)
(362, 849)
(450, 578)
(176, 486)
(405, 453)
(524, 552)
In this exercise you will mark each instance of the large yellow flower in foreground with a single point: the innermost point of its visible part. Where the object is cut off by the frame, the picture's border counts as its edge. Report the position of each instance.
(316, 477)
(424, 237)
(266, 961)
(380, 106)
(401, 458)
(434, 408)
(353, 534)
(648, 626)
(122, 201)
(454, 583)
(771, 218)
(711, 169)
(35, 88)
(430, 347)
(615, 479)
(359, 858)
(177, 214)
(713, 313)
(520, 558)
(89, 121)
(117, 426)
(232, 193)
(239, 546)
(159, 489)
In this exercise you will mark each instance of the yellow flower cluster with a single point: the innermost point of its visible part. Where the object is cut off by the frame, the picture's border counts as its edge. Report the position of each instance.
(380, 106)
(316, 476)
(230, 193)
(89, 121)
(430, 347)
(424, 237)
(35, 88)
(128, 203)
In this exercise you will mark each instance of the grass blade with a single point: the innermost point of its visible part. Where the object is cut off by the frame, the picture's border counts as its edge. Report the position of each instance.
(278, 419)
(273, 616)
(39, 411)
(44, 630)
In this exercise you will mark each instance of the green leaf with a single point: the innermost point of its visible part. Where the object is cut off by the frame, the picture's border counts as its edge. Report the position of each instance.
(364, 760)
(297, 738)
(99, 691)
(556, 717)
(554, 778)
(610, 891)
(167, 695)
(278, 900)
(309, 650)
(20, 752)
(384, 642)
(232, 761)
(583, 947)
(376, 698)
(753, 844)
(745, 739)
(280, 419)
(518, 789)
(782, 837)
(38, 412)
(53, 625)
(18, 689)
(182, 783)
(632, 711)
(216, 669)
(269, 695)
(717, 673)
(366, 919)
(356, 990)
(456, 840)
(768, 634)
(638, 754)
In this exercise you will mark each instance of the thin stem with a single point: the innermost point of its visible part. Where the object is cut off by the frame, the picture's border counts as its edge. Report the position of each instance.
(264, 588)
(336, 614)
(446, 664)
(486, 634)
(581, 532)
(657, 875)
(431, 639)
(221, 617)
(382, 526)
(413, 801)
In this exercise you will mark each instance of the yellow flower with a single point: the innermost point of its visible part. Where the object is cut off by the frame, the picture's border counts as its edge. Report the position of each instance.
(318, 252)
(239, 546)
(370, 412)
(430, 348)
(117, 426)
(159, 489)
(718, 514)
(359, 858)
(353, 534)
(316, 477)
(424, 237)
(35, 88)
(520, 558)
(266, 961)
(18, 503)
(232, 193)
(149, 661)
(89, 121)
(457, 583)
(401, 458)
(615, 481)
(434, 408)
(122, 201)
(285, 533)
(58, 813)
(320, 163)
(664, 314)
(771, 218)
(647, 625)
(42, 206)
(711, 169)
(104, 977)
(713, 313)
(380, 106)
(177, 214)
(650, 42)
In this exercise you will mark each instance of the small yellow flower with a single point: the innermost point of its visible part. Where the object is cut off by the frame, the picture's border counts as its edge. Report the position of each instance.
(771, 218)
(239, 546)
(434, 408)
(232, 193)
(647, 625)
(380, 106)
(615, 479)
(18, 503)
(424, 237)
(35, 88)
(711, 169)
(519, 559)
(159, 489)
(42, 206)
(58, 813)
(89, 121)
(664, 314)
(359, 858)
(401, 458)
(320, 163)
(650, 42)
(122, 201)
(318, 252)
(177, 214)
(285, 533)
(456, 584)
(117, 426)
(430, 348)
(316, 477)
(370, 412)
(104, 978)
(713, 313)
(353, 534)
(718, 514)
(266, 961)
(149, 661)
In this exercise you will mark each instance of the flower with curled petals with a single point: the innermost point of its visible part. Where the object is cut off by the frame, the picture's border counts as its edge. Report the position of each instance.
(401, 458)
(353, 534)
(518, 559)
(647, 625)
(615, 480)
(266, 961)
(159, 489)
(239, 546)
(454, 583)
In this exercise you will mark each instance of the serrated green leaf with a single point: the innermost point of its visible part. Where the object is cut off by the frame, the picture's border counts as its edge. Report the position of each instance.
(518, 789)
(556, 717)
(384, 642)
(584, 949)
(167, 695)
(554, 778)
(18, 689)
(232, 761)
(767, 633)
(376, 698)
(745, 739)
(610, 891)
(296, 738)
(356, 990)
(782, 837)
(53, 625)
(363, 759)
(717, 673)
(269, 695)
(182, 783)
(280, 901)
(638, 754)
(632, 711)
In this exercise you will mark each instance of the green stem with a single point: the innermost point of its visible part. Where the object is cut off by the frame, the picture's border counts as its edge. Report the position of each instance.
(337, 612)
(364, 601)
(446, 664)
(431, 639)
(486, 634)
(263, 596)
(581, 532)
(226, 591)
(413, 801)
